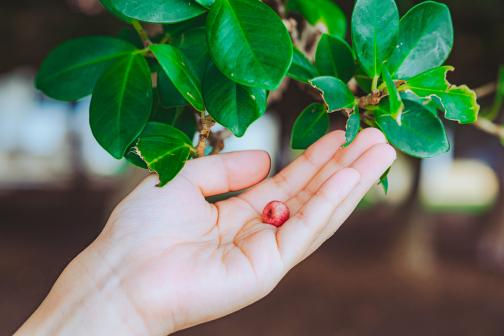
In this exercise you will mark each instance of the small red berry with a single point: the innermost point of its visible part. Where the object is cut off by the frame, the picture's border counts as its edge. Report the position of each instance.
(276, 213)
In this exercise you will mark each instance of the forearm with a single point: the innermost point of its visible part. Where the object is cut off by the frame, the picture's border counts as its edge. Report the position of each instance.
(87, 299)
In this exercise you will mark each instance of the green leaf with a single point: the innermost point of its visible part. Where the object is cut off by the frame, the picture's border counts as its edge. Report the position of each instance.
(335, 93)
(175, 29)
(310, 125)
(168, 93)
(421, 133)
(232, 105)
(110, 7)
(121, 104)
(301, 68)
(178, 117)
(323, 14)
(71, 70)
(183, 77)
(425, 40)
(352, 126)
(396, 104)
(363, 80)
(132, 157)
(164, 149)
(206, 3)
(384, 181)
(193, 44)
(249, 43)
(158, 11)
(334, 57)
(375, 26)
(459, 102)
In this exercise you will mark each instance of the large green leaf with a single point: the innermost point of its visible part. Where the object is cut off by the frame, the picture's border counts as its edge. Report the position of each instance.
(121, 104)
(375, 26)
(334, 57)
(421, 133)
(301, 68)
(158, 11)
(396, 104)
(459, 102)
(353, 126)
(322, 14)
(310, 125)
(249, 43)
(164, 149)
(335, 93)
(425, 40)
(182, 75)
(232, 105)
(71, 70)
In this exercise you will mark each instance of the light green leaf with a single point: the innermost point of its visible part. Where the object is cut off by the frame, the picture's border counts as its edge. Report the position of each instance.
(249, 43)
(310, 125)
(71, 70)
(459, 102)
(158, 11)
(121, 104)
(183, 77)
(396, 104)
(421, 133)
(425, 40)
(164, 149)
(375, 26)
(334, 57)
(232, 105)
(353, 126)
(323, 14)
(301, 68)
(335, 93)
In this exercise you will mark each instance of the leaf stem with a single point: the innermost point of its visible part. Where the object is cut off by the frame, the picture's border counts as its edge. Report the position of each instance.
(374, 84)
(141, 33)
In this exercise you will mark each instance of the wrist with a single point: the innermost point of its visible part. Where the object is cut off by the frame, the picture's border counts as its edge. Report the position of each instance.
(87, 299)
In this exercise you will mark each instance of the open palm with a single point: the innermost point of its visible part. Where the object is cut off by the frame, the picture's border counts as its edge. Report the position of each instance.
(182, 260)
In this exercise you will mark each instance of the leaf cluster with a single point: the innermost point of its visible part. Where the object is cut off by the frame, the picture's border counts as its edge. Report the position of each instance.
(219, 60)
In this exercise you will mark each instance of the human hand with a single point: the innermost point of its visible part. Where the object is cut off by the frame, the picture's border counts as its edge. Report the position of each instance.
(168, 259)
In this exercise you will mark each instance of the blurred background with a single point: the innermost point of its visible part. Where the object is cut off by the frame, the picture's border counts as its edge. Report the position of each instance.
(428, 259)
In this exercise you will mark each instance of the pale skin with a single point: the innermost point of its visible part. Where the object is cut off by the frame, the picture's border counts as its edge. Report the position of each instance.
(168, 260)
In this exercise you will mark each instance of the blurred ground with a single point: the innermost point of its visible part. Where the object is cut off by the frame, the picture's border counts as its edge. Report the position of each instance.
(357, 284)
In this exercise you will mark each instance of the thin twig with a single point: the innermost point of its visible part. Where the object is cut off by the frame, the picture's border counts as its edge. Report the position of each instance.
(141, 33)
(489, 127)
(485, 90)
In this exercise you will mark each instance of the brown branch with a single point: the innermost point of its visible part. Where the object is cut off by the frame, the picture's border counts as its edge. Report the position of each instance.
(489, 127)
(485, 90)
(205, 129)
